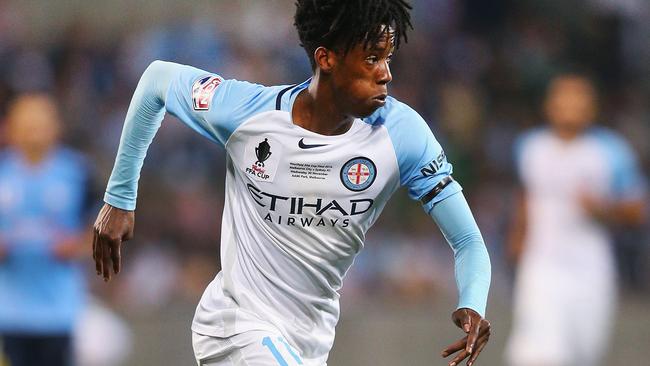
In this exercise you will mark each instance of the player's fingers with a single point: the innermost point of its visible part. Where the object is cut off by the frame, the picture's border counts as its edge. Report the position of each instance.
(116, 257)
(106, 262)
(94, 243)
(455, 347)
(97, 255)
(460, 357)
(473, 335)
(482, 341)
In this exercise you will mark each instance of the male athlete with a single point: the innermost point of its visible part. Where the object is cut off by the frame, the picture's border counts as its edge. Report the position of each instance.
(565, 292)
(309, 169)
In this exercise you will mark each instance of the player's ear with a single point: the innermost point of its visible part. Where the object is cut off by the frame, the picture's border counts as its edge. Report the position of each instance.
(325, 59)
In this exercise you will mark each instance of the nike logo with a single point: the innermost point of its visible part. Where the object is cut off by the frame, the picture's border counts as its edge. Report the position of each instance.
(302, 145)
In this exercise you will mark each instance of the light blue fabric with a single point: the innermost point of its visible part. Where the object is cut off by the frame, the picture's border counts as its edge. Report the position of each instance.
(39, 206)
(472, 261)
(422, 162)
(628, 184)
(166, 86)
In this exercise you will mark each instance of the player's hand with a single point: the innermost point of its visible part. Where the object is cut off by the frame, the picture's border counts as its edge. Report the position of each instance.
(478, 334)
(112, 227)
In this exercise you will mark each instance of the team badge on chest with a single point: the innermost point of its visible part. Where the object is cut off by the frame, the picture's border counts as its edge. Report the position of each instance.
(358, 174)
(262, 157)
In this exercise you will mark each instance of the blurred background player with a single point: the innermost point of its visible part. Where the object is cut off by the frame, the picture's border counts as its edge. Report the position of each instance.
(578, 182)
(42, 194)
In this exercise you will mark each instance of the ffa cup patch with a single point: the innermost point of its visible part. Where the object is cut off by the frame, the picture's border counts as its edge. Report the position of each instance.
(263, 156)
(202, 92)
(358, 174)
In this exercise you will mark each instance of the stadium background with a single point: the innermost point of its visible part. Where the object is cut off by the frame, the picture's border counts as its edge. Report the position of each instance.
(474, 69)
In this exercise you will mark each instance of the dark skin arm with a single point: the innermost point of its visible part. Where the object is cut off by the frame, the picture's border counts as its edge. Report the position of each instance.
(623, 213)
(478, 333)
(112, 227)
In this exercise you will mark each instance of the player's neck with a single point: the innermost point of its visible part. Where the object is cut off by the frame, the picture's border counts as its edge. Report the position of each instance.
(316, 110)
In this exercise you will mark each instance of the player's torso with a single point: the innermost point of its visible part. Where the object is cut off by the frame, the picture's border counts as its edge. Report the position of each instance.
(329, 189)
(46, 196)
(558, 175)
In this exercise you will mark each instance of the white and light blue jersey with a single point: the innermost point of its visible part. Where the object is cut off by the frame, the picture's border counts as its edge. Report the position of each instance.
(556, 174)
(298, 204)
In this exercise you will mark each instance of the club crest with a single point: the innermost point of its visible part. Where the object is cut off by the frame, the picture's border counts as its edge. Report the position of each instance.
(358, 174)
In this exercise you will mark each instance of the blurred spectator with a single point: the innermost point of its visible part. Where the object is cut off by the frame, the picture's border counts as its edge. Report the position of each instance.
(578, 182)
(42, 192)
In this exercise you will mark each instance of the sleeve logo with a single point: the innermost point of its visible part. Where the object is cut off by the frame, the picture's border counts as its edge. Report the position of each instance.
(433, 167)
(202, 92)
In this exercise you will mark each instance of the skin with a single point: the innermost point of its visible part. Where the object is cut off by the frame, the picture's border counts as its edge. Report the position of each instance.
(344, 86)
(33, 129)
(571, 108)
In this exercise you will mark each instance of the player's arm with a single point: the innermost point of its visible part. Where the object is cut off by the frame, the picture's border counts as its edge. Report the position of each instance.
(187, 93)
(424, 169)
(472, 272)
(625, 206)
(624, 213)
(116, 219)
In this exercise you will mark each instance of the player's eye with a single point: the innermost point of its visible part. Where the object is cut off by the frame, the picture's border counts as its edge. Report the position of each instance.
(389, 58)
(372, 60)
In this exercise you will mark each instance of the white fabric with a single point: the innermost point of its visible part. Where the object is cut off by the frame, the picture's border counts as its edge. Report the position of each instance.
(281, 274)
(565, 292)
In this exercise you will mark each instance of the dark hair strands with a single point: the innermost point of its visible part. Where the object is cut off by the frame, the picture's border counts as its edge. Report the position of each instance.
(342, 24)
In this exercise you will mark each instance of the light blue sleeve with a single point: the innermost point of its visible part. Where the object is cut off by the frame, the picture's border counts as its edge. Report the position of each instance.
(423, 165)
(471, 259)
(628, 183)
(207, 103)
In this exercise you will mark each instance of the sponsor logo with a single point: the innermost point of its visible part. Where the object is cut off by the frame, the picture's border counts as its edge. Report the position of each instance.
(202, 92)
(302, 145)
(305, 212)
(434, 166)
(358, 174)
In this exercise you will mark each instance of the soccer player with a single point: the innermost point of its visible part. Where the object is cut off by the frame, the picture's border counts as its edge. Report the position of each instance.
(309, 169)
(578, 181)
(42, 197)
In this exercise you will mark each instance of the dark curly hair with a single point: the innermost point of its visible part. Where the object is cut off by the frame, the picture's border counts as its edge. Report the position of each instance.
(342, 24)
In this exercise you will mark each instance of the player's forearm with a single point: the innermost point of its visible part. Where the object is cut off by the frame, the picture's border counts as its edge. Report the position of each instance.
(630, 213)
(472, 262)
(142, 121)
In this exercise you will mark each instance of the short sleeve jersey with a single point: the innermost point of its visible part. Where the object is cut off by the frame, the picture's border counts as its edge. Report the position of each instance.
(556, 174)
(298, 204)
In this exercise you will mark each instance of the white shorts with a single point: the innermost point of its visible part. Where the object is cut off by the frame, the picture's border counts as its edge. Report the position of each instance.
(560, 321)
(252, 348)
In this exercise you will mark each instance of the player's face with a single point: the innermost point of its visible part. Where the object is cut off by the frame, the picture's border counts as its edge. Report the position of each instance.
(571, 103)
(33, 124)
(361, 77)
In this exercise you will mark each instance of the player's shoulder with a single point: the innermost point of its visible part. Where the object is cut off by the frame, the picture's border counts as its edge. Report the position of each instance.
(536, 136)
(395, 113)
(606, 136)
(406, 127)
(613, 143)
(70, 159)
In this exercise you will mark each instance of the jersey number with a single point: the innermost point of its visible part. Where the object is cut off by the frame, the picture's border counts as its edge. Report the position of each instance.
(267, 342)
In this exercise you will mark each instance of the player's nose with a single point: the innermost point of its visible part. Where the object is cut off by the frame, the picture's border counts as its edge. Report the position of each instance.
(384, 76)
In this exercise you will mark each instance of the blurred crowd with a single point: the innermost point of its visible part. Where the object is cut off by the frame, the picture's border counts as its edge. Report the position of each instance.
(475, 70)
